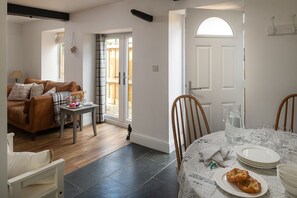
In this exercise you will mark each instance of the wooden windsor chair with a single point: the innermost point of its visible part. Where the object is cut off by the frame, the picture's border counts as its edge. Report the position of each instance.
(285, 117)
(188, 123)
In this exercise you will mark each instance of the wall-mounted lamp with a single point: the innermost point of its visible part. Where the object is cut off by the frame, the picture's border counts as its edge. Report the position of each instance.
(142, 15)
(73, 48)
(16, 75)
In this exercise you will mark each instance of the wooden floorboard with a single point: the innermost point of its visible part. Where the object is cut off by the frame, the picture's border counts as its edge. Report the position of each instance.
(87, 148)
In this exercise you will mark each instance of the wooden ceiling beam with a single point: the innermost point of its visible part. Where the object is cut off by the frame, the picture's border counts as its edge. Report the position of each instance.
(19, 10)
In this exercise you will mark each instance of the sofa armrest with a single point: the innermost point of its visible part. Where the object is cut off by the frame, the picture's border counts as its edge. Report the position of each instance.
(10, 141)
(9, 88)
(23, 185)
(41, 112)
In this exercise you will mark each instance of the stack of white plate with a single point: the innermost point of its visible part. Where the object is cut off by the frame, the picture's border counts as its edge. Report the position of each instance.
(257, 156)
(287, 173)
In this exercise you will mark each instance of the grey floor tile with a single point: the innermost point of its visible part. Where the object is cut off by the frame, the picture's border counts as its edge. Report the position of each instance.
(158, 156)
(137, 173)
(108, 188)
(93, 173)
(169, 174)
(156, 189)
(129, 153)
(70, 190)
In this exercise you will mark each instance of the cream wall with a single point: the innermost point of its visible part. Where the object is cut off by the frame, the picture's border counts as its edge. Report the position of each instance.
(271, 61)
(14, 48)
(176, 61)
(49, 54)
(32, 42)
(3, 100)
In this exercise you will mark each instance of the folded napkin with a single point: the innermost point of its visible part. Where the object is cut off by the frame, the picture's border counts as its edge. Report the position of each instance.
(212, 153)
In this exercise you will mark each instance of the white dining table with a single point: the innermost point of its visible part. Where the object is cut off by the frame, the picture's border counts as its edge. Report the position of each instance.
(197, 180)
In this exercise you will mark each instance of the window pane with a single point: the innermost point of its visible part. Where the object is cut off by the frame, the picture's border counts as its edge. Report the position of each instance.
(112, 77)
(61, 61)
(214, 26)
(130, 78)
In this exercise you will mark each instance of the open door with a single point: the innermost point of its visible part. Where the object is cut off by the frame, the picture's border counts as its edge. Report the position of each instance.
(214, 61)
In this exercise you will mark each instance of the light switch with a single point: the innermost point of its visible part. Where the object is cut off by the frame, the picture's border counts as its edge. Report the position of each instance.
(155, 68)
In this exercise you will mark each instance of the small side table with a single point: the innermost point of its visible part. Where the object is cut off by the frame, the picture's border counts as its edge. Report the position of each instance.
(74, 112)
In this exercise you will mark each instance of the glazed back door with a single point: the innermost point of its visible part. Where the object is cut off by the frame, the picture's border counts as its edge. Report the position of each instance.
(214, 61)
(119, 79)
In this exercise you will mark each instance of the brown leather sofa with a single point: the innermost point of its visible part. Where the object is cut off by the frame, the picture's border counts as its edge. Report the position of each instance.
(37, 114)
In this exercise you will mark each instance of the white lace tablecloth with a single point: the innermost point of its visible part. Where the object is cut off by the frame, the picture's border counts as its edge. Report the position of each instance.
(197, 180)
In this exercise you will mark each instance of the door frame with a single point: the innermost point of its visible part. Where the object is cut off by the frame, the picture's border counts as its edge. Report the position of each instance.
(122, 120)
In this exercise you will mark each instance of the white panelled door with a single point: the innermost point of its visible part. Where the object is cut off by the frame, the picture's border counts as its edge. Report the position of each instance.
(214, 63)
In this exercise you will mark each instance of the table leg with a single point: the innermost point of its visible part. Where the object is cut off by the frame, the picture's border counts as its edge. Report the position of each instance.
(94, 121)
(62, 115)
(81, 121)
(74, 127)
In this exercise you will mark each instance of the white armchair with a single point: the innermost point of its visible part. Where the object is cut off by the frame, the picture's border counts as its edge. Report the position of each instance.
(29, 185)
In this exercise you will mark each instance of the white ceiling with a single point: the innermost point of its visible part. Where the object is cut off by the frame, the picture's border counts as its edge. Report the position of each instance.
(63, 5)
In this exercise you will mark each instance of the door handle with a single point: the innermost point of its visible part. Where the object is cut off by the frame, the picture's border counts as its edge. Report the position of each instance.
(193, 88)
(119, 78)
(124, 78)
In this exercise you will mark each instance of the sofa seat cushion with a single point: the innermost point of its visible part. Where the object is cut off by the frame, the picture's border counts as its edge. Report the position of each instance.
(61, 86)
(15, 112)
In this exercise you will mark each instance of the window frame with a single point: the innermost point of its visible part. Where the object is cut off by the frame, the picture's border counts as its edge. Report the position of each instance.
(214, 36)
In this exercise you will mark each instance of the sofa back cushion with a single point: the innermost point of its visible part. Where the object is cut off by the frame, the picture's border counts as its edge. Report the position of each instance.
(20, 92)
(36, 90)
(61, 86)
(30, 80)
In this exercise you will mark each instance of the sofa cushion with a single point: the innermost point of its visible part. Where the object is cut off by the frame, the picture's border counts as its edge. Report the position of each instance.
(21, 162)
(15, 112)
(19, 91)
(49, 92)
(61, 86)
(36, 90)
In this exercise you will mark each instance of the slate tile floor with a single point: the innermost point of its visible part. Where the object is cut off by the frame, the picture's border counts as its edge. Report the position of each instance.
(132, 171)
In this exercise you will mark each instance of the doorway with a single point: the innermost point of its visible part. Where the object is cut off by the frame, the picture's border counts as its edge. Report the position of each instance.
(214, 71)
(119, 79)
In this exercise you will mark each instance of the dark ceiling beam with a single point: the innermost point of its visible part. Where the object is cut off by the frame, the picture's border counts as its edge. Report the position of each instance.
(19, 10)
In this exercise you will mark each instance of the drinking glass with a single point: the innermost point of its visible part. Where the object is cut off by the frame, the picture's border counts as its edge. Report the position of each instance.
(265, 134)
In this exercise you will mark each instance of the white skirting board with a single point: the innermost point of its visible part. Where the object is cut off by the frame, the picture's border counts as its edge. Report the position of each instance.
(153, 143)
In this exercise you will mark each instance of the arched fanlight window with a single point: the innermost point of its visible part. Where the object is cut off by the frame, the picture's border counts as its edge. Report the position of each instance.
(214, 26)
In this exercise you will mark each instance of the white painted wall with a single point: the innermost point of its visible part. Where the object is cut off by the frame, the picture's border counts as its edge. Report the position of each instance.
(14, 48)
(89, 58)
(32, 52)
(49, 56)
(271, 61)
(176, 62)
(3, 100)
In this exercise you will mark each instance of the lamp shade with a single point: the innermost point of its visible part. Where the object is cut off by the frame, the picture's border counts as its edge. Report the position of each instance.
(15, 74)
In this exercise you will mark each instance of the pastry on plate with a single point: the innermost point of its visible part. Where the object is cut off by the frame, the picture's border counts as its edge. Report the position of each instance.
(236, 175)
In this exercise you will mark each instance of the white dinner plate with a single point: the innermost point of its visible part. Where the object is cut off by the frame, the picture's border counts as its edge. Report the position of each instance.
(256, 165)
(221, 180)
(257, 154)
